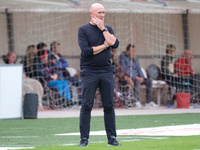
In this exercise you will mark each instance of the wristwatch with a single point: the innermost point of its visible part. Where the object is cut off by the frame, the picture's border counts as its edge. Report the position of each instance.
(105, 29)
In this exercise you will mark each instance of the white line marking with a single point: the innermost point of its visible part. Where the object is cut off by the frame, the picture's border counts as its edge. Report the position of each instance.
(8, 148)
(178, 130)
(13, 137)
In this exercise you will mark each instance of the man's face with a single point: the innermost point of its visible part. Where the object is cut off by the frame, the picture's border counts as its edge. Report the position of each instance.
(172, 53)
(131, 52)
(44, 48)
(57, 49)
(45, 59)
(190, 56)
(98, 12)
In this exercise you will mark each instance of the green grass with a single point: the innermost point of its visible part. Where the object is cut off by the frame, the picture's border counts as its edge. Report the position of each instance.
(40, 133)
(180, 143)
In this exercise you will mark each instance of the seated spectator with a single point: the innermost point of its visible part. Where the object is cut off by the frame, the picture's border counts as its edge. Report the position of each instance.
(62, 64)
(183, 68)
(27, 61)
(183, 65)
(120, 76)
(131, 66)
(30, 85)
(10, 58)
(167, 67)
(48, 75)
(52, 62)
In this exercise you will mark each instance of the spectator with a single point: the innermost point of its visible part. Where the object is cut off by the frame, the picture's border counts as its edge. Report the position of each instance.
(119, 72)
(131, 66)
(49, 76)
(121, 79)
(30, 85)
(167, 68)
(10, 58)
(52, 61)
(55, 49)
(183, 66)
(61, 64)
(27, 61)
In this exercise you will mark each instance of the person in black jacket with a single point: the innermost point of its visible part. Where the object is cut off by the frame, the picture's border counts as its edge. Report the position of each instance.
(95, 40)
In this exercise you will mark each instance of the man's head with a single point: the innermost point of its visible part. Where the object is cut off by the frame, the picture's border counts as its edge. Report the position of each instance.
(170, 49)
(43, 55)
(130, 50)
(55, 47)
(188, 55)
(41, 46)
(97, 10)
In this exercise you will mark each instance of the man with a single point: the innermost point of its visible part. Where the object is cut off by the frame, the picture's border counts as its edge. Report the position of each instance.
(183, 68)
(55, 48)
(95, 40)
(183, 65)
(132, 69)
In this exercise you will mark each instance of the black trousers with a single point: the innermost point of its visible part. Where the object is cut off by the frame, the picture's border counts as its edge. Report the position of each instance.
(90, 81)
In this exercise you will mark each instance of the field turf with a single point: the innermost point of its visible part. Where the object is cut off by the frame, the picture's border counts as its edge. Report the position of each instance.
(40, 133)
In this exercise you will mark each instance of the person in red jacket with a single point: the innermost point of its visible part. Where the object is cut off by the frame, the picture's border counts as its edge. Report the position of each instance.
(183, 68)
(183, 65)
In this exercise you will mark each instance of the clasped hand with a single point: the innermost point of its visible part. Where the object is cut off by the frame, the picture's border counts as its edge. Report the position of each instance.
(98, 22)
(54, 76)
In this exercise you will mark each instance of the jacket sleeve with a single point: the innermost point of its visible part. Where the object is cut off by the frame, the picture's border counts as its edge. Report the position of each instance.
(124, 64)
(139, 69)
(116, 44)
(83, 43)
(64, 63)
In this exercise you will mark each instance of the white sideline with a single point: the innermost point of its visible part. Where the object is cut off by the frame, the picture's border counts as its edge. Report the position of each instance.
(8, 148)
(177, 130)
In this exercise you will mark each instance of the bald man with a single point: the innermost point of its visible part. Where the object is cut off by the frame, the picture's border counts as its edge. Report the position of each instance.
(95, 40)
(183, 65)
(183, 68)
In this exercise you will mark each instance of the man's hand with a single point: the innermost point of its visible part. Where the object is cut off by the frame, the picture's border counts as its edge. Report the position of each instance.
(110, 38)
(175, 75)
(140, 79)
(54, 76)
(98, 22)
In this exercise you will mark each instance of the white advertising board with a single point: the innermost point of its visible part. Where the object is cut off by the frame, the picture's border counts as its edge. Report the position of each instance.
(11, 85)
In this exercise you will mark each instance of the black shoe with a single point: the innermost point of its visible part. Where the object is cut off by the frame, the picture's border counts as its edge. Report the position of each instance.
(113, 142)
(83, 142)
